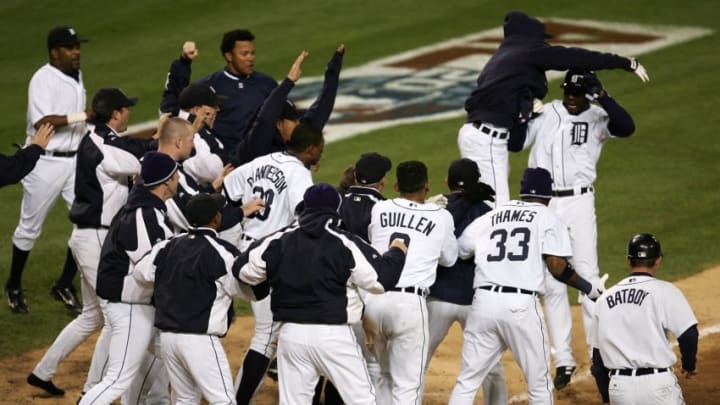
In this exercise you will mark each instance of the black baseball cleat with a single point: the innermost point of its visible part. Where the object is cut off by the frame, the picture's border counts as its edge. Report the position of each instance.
(48, 386)
(68, 296)
(563, 376)
(16, 301)
(272, 370)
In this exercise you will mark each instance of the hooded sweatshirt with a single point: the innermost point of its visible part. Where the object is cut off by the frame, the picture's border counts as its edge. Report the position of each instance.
(516, 72)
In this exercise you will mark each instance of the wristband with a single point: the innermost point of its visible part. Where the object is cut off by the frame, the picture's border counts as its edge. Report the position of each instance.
(76, 117)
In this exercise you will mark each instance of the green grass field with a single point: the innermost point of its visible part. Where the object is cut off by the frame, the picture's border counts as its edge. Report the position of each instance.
(663, 180)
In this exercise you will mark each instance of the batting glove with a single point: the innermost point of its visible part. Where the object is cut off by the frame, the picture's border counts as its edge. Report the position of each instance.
(598, 287)
(639, 70)
(593, 87)
(538, 107)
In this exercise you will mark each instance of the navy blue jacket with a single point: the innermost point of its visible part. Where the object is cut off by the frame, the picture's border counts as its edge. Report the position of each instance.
(516, 72)
(308, 268)
(455, 284)
(356, 207)
(264, 137)
(126, 238)
(14, 168)
(244, 96)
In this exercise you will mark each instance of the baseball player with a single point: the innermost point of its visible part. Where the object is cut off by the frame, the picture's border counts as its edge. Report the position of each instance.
(106, 162)
(56, 95)
(451, 295)
(14, 168)
(508, 85)
(278, 116)
(244, 88)
(370, 171)
(139, 225)
(314, 269)
(397, 320)
(632, 359)
(279, 179)
(197, 264)
(511, 245)
(566, 141)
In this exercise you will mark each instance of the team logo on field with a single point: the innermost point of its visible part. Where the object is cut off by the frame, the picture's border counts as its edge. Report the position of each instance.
(433, 82)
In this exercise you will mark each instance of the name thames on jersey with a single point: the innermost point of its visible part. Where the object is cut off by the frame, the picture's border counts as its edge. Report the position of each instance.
(402, 220)
(513, 216)
(627, 296)
(269, 172)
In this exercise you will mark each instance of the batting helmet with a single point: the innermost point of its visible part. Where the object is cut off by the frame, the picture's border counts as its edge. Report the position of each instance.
(644, 246)
(579, 81)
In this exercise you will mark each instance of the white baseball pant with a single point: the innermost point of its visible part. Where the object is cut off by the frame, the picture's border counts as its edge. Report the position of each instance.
(499, 321)
(398, 324)
(578, 213)
(651, 389)
(441, 315)
(131, 332)
(85, 245)
(51, 177)
(559, 321)
(491, 155)
(306, 352)
(198, 366)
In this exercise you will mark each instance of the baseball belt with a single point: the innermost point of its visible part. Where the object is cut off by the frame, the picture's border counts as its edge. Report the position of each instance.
(421, 291)
(638, 371)
(490, 131)
(55, 153)
(571, 192)
(504, 289)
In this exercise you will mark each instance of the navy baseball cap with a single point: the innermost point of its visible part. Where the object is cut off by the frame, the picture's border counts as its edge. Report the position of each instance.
(462, 173)
(108, 100)
(63, 36)
(321, 196)
(371, 168)
(202, 208)
(157, 168)
(198, 94)
(536, 182)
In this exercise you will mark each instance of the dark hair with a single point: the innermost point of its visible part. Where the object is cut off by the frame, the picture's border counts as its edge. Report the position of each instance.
(230, 37)
(304, 136)
(411, 176)
(642, 262)
(347, 179)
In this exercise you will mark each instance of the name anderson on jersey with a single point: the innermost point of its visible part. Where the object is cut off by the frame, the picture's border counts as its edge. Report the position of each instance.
(403, 220)
(627, 296)
(513, 216)
(269, 172)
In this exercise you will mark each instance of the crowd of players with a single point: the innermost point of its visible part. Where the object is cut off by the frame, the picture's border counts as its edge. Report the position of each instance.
(219, 203)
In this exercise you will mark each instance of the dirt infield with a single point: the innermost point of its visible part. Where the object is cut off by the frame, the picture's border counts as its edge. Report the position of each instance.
(702, 291)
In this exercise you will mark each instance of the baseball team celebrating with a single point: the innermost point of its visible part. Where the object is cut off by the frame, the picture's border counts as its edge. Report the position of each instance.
(352, 293)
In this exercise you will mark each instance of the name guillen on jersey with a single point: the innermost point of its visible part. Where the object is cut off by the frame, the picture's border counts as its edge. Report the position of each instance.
(409, 221)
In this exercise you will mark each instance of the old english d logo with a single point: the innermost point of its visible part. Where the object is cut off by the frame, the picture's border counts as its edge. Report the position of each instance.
(432, 82)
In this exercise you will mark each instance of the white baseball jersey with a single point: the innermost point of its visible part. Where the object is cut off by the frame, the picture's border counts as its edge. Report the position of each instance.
(509, 241)
(428, 231)
(280, 179)
(52, 92)
(632, 319)
(566, 145)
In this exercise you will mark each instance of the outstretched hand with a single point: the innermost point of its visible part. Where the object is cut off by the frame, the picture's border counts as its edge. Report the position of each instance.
(296, 68)
(639, 70)
(42, 135)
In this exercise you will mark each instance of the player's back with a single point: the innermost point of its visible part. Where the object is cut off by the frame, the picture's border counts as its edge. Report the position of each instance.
(509, 243)
(640, 303)
(280, 179)
(428, 231)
